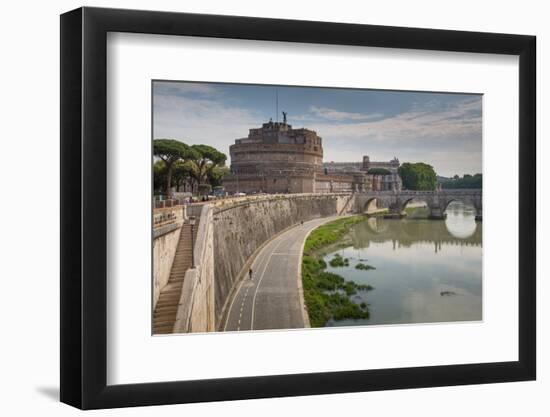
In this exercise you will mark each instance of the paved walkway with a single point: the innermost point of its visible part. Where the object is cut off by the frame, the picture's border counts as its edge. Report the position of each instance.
(272, 298)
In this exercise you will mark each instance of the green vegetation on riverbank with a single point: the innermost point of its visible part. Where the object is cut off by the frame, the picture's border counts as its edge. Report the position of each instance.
(364, 267)
(330, 233)
(339, 261)
(327, 295)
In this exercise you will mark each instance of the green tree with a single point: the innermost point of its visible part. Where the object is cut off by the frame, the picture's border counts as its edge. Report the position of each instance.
(205, 161)
(216, 175)
(170, 151)
(159, 176)
(181, 172)
(467, 181)
(418, 176)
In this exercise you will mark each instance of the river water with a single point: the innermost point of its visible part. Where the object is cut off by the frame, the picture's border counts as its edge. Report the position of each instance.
(426, 270)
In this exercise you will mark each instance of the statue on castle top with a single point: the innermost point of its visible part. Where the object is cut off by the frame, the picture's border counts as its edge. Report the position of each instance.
(284, 117)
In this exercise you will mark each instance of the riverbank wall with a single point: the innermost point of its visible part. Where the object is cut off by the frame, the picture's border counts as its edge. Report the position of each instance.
(230, 233)
(196, 305)
(166, 234)
(241, 228)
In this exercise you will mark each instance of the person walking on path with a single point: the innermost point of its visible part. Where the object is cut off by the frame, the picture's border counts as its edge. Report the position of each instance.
(250, 273)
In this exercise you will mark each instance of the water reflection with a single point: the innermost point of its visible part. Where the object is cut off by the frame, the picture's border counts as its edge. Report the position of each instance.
(461, 221)
(426, 270)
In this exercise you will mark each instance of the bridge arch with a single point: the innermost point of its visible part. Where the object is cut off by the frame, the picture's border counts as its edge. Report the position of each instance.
(368, 205)
(404, 202)
(421, 208)
(468, 200)
(464, 200)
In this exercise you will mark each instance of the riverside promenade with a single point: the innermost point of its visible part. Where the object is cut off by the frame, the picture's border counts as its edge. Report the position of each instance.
(273, 298)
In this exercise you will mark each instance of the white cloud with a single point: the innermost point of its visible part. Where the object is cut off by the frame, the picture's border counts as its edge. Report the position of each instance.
(183, 88)
(458, 121)
(201, 121)
(449, 138)
(336, 115)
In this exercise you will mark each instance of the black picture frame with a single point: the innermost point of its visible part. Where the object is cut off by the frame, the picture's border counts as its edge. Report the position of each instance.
(84, 207)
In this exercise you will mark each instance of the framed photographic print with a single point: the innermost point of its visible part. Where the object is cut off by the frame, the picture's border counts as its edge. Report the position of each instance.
(257, 207)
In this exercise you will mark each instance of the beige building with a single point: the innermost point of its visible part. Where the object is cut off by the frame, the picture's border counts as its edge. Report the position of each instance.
(389, 180)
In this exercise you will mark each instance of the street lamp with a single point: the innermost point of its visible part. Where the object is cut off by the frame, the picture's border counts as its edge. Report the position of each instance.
(192, 221)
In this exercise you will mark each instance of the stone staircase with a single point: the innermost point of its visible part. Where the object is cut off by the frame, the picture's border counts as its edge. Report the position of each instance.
(166, 309)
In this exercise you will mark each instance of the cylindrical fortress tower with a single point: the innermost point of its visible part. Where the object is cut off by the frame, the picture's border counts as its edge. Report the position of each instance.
(275, 159)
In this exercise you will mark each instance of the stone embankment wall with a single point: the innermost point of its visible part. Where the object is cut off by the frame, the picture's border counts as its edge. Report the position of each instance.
(243, 226)
(164, 249)
(229, 233)
(196, 306)
(166, 234)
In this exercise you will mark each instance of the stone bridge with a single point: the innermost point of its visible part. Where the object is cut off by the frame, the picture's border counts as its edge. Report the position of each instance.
(437, 201)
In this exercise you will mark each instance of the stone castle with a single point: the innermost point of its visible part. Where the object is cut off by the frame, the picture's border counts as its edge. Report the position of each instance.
(276, 158)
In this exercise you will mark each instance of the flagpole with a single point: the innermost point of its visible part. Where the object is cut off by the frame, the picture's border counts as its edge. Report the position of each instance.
(277, 104)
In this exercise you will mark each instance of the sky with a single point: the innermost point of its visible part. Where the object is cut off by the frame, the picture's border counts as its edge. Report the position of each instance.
(441, 129)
